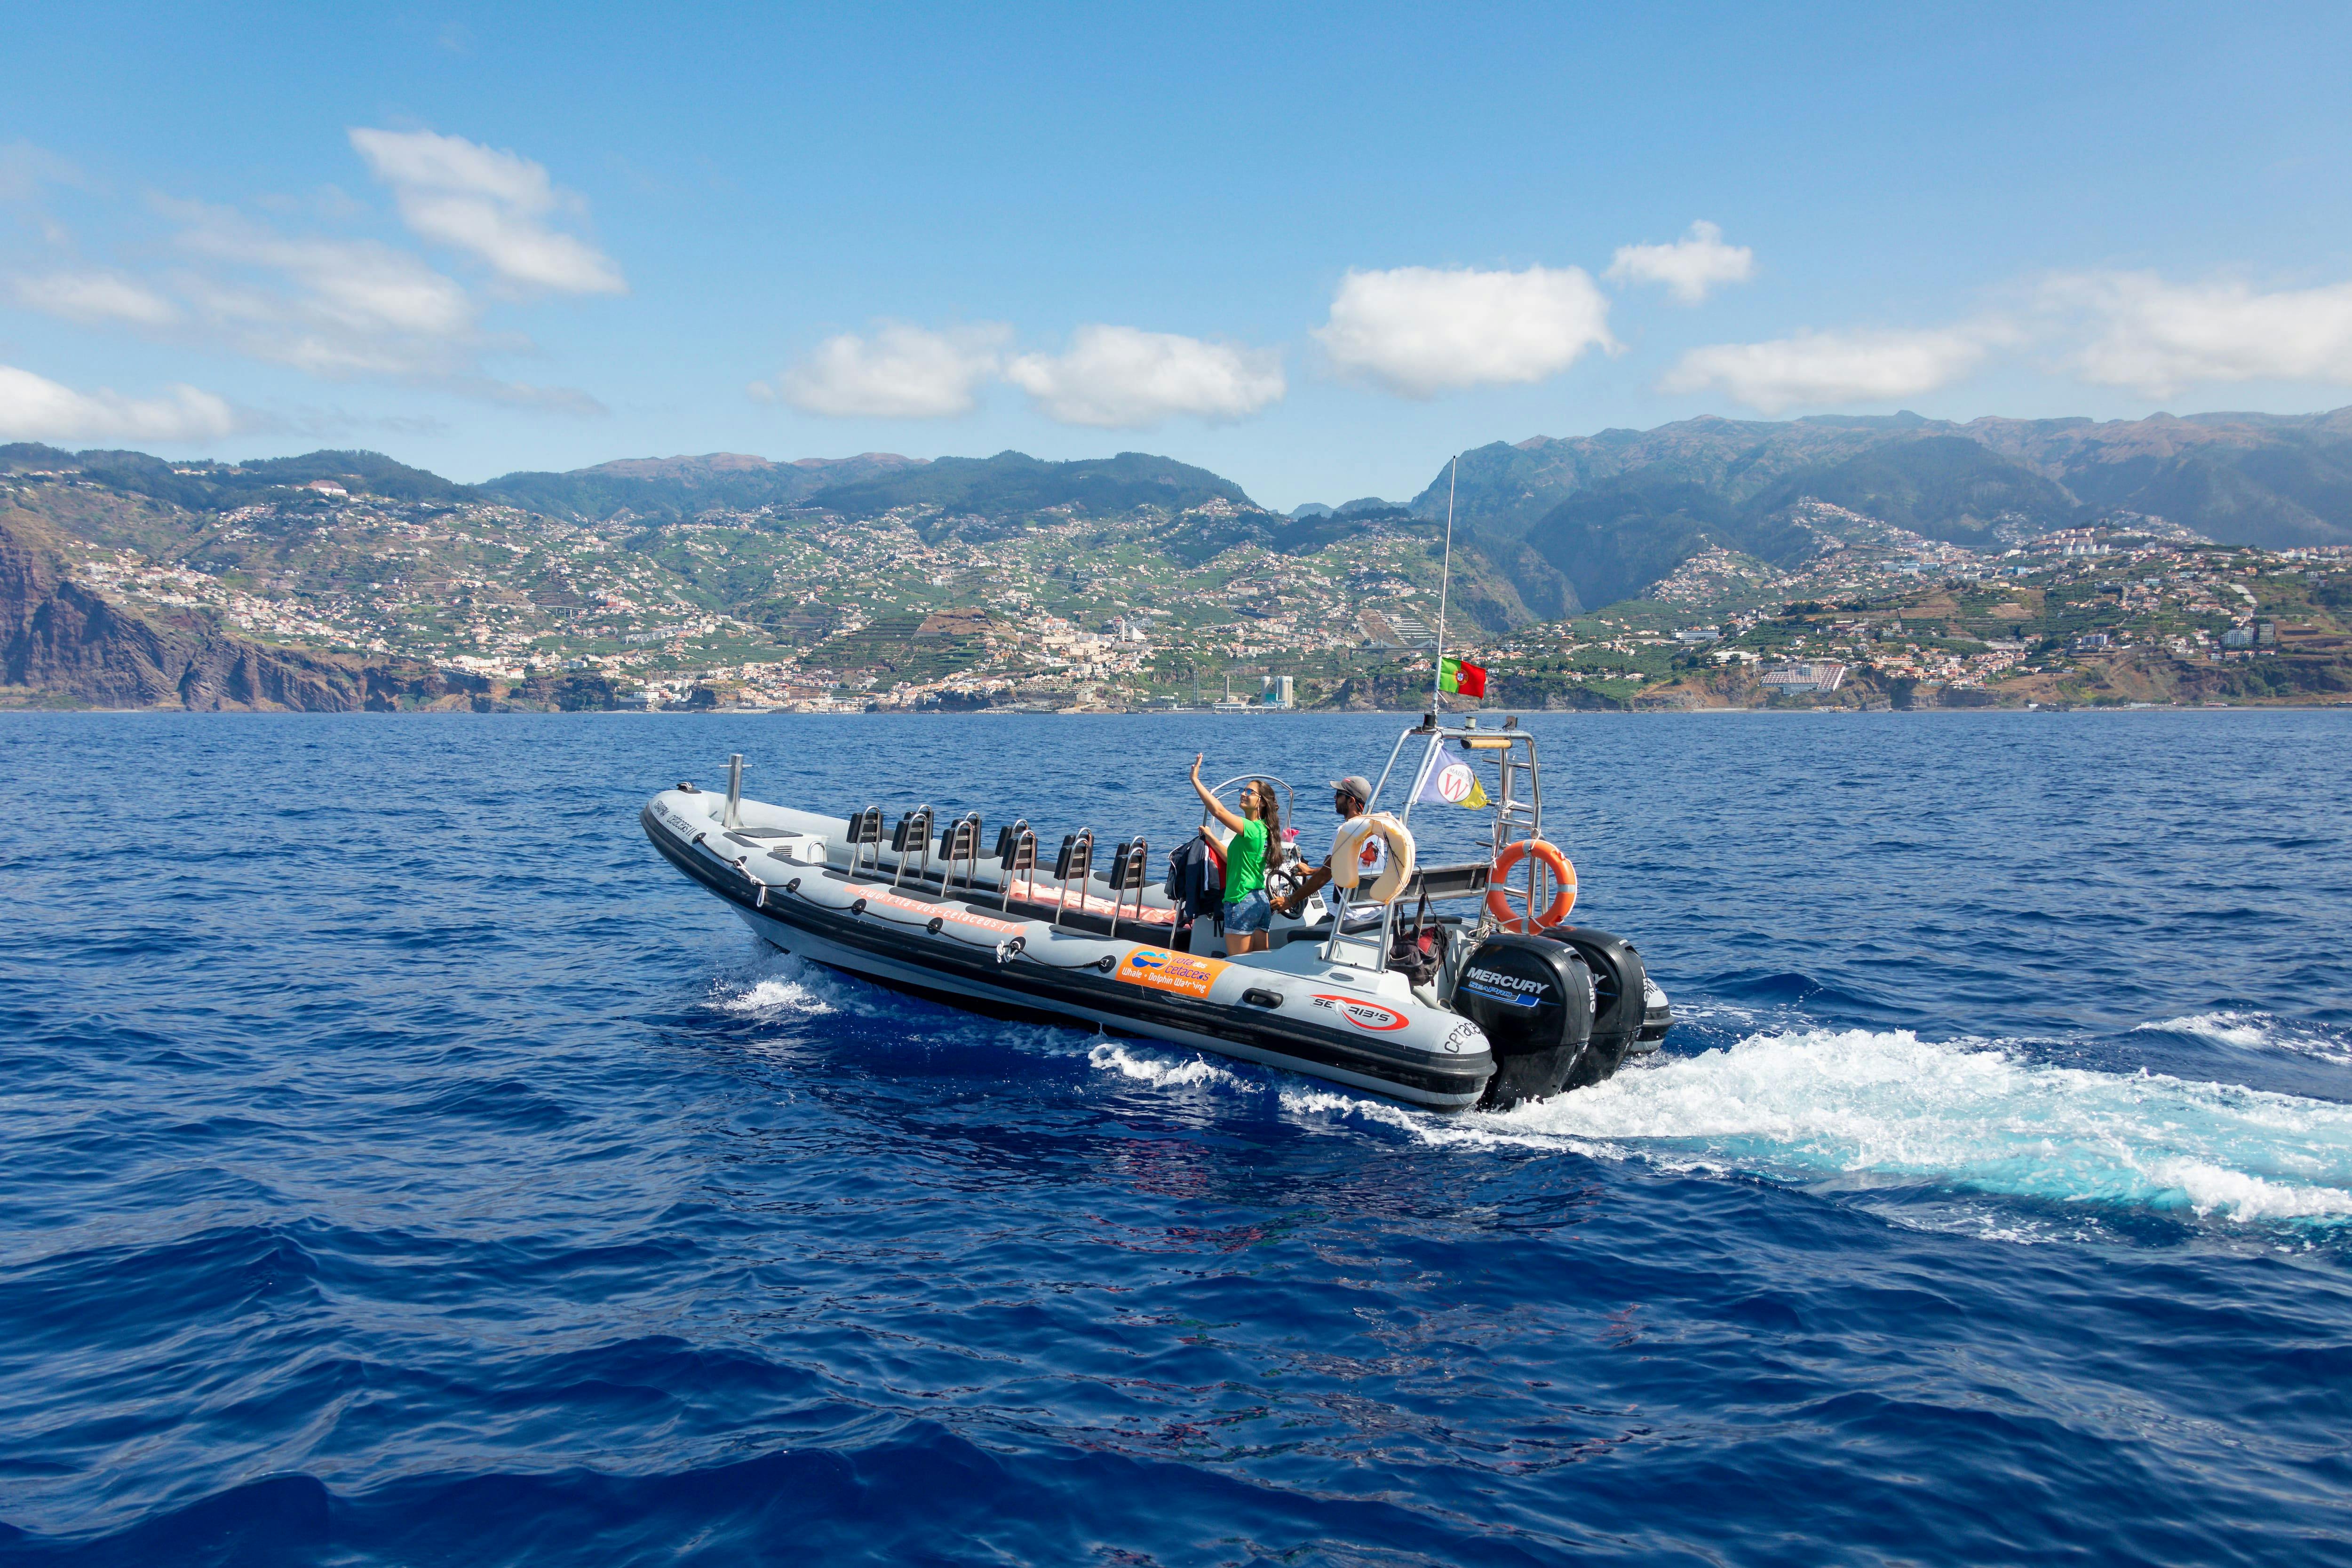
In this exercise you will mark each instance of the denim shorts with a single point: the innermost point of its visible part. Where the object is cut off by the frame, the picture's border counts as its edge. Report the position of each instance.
(1249, 914)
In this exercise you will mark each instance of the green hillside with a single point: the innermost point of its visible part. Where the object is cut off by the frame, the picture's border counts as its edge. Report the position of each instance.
(1136, 579)
(206, 485)
(1012, 482)
(1009, 485)
(673, 488)
(2269, 480)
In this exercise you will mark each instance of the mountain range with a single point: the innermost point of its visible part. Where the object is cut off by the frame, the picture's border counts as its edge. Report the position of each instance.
(993, 488)
(1587, 520)
(1568, 523)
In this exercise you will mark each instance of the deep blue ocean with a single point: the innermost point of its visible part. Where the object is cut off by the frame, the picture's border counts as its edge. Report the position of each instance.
(404, 1165)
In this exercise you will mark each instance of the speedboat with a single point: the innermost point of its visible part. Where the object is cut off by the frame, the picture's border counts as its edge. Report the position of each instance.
(1389, 986)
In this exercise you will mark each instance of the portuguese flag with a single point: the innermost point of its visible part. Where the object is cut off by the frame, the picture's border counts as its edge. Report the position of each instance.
(1462, 676)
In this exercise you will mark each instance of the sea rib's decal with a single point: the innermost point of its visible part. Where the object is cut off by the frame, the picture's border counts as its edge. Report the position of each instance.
(1362, 1013)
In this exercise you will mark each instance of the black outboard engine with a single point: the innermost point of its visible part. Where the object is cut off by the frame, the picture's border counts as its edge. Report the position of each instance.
(1533, 1001)
(1620, 998)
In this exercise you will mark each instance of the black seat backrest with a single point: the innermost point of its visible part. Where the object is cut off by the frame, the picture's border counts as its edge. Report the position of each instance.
(1016, 846)
(914, 830)
(959, 840)
(1074, 863)
(866, 827)
(1131, 865)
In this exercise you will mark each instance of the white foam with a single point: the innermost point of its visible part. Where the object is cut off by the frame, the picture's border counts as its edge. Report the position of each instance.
(1846, 1105)
(1326, 1102)
(1986, 1221)
(2256, 1031)
(775, 997)
(1321, 1107)
(2215, 1189)
(1161, 1069)
(1830, 1103)
(2229, 1028)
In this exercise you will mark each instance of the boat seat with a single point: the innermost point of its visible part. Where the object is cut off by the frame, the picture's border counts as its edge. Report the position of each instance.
(1468, 880)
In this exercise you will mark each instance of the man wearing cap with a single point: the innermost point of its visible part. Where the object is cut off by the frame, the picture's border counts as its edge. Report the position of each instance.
(1349, 797)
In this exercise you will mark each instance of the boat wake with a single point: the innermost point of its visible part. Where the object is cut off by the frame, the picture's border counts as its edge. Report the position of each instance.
(774, 1000)
(1162, 1068)
(2259, 1031)
(1810, 1105)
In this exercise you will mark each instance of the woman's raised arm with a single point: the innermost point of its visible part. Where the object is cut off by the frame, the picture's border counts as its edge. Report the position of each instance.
(1232, 820)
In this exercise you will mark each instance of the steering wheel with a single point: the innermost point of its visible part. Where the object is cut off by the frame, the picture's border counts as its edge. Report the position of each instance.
(1281, 885)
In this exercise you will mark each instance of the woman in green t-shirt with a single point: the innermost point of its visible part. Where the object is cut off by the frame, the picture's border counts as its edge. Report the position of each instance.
(1257, 832)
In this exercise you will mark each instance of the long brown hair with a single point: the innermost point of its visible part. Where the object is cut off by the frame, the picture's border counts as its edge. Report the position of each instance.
(1270, 813)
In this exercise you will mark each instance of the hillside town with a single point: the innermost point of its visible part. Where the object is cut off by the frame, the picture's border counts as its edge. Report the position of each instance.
(920, 609)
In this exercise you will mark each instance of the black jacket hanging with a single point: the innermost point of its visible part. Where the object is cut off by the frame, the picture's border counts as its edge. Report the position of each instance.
(1196, 884)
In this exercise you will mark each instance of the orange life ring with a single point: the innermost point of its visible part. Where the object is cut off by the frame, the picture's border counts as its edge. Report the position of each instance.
(1498, 902)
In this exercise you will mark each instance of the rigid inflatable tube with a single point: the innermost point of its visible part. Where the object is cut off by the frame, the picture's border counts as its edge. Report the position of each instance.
(1302, 1031)
(1351, 844)
(1101, 955)
(942, 924)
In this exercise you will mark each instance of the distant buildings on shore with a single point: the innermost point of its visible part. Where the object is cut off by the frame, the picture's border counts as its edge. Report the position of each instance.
(1805, 676)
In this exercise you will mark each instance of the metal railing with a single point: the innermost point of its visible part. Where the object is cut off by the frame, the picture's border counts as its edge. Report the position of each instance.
(1512, 810)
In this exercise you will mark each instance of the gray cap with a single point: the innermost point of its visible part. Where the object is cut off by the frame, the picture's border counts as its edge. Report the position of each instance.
(1355, 784)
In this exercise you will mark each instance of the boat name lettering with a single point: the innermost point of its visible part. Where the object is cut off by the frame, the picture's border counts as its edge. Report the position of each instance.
(960, 916)
(1363, 1014)
(1508, 982)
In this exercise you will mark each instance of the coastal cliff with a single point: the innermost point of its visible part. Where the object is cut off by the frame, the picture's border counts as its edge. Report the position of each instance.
(59, 639)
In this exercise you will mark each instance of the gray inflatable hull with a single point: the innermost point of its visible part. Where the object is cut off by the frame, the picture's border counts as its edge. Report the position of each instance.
(786, 875)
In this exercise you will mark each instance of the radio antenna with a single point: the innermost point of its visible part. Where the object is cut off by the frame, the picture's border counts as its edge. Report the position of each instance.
(1444, 578)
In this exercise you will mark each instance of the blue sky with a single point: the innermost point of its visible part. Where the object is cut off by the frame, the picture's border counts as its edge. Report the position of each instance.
(1315, 250)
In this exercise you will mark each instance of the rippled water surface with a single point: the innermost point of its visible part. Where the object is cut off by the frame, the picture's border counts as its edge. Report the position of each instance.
(404, 1165)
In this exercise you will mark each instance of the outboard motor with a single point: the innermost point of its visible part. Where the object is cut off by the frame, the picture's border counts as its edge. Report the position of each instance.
(1533, 1001)
(1620, 998)
(1657, 1016)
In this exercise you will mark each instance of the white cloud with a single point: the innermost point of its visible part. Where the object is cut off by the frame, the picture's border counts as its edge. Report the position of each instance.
(34, 408)
(522, 395)
(490, 203)
(24, 169)
(94, 298)
(1818, 368)
(1121, 378)
(903, 371)
(1421, 331)
(353, 306)
(2161, 337)
(331, 305)
(1688, 268)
